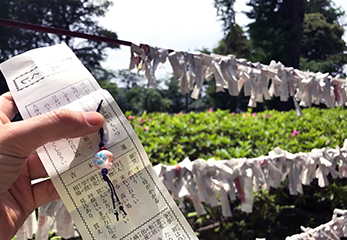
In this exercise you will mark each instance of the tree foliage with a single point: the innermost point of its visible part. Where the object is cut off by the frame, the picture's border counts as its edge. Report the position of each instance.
(134, 96)
(235, 42)
(322, 45)
(225, 9)
(178, 101)
(323, 48)
(129, 79)
(73, 15)
(326, 8)
(277, 29)
(318, 37)
(142, 99)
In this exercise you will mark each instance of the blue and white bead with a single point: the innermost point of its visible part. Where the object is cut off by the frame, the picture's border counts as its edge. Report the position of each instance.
(104, 159)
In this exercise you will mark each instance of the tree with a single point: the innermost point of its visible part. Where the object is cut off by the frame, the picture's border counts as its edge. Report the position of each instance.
(326, 8)
(130, 79)
(111, 87)
(275, 33)
(322, 45)
(132, 95)
(319, 36)
(140, 99)
(178, 101)
(323, 48)
(74, 15)
(277, 29)
(235, 42)
(225, 10)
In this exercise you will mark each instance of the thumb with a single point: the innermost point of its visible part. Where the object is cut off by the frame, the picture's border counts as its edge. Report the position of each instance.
(19, 139)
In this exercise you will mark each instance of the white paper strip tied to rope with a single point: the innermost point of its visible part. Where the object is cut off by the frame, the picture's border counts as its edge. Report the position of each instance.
(54, 217)
(339, 86)
(51, 217)
(148, 59)
(28, 229)
(254, 78)
(343, 160)
(202, 174)
(333, 230)
(216, 70)
(134, 49)
(199, 64)
(178, 62)
(263, 82)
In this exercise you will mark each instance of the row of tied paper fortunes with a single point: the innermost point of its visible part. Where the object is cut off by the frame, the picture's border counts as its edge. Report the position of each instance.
(50, 220)
(52, 217)
(202, 181)
(231, 73)
(332, 230)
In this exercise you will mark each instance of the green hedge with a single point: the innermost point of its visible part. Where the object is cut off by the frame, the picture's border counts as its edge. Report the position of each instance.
(223, 135)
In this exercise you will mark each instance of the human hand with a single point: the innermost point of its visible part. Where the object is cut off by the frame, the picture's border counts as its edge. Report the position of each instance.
(19, 165)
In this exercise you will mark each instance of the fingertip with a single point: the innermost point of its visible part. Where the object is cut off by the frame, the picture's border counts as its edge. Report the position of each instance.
(94, 118)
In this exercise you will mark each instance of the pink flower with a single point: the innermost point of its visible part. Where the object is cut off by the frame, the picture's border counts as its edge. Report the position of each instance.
(148, 119)
(145, 129)
(141, 119)
(233, 113)
(210, 110)
(254, 114)
(295, 132)
(181, 114)
(130, 117)
(268, 115)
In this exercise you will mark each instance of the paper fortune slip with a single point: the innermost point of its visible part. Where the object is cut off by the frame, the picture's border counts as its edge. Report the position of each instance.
(48, 78)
